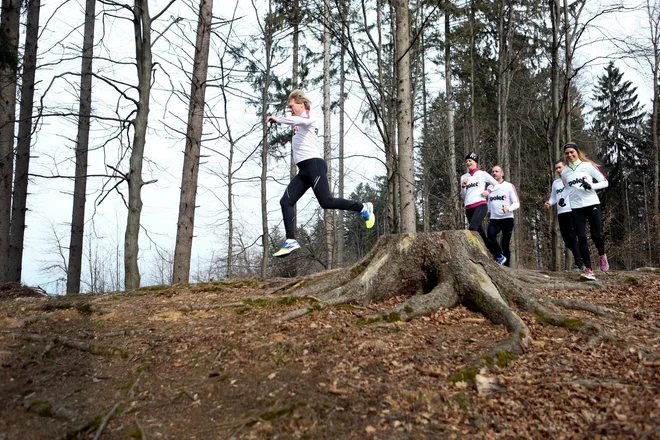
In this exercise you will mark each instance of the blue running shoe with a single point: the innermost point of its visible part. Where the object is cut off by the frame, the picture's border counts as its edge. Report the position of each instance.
(289, 246)
(501, 259)
(368, 214)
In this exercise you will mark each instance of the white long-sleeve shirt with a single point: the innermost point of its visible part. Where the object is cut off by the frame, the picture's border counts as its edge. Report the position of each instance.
(504, 196)
(578, 172)
(559, 196)
(473, 183)
(305, 143)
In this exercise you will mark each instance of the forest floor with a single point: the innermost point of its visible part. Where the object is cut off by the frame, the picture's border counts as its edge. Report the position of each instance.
(205, 361)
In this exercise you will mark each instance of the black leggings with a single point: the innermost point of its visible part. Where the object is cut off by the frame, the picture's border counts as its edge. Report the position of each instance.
(475, 218)
(568, 235)
(504, 225)
(593, 216)
(312, 173)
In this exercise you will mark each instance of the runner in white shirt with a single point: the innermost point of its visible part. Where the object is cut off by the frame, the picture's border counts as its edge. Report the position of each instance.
(559, 196)
(582, 178)
(474, 192)
(312, 171)
(501, 204)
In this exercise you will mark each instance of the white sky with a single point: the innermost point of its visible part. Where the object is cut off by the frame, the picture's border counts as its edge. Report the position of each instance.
(50, 200)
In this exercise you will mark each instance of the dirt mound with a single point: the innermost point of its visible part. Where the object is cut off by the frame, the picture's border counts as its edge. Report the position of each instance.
(17, 290)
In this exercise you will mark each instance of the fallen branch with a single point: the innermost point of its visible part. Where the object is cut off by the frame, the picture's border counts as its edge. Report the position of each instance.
(105, 420)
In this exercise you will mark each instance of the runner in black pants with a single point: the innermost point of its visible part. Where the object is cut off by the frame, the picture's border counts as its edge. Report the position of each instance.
(582, 178)
(312, 171)
(474, 193)
(559, 197)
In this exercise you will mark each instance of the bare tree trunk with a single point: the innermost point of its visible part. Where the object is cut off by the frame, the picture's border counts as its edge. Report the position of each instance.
(554, 117)
(268, 45)
(143, 56)
(455, 207)
(19, 209)
(473, 78)
(293, 169)
(74, 269)
(9, 26)
(327, 134)
(186, 223)
(569, 74)
(404, 119)
(342, 117)
(230, 179)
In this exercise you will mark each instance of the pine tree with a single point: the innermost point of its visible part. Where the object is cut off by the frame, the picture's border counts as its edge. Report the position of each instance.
(619, 127)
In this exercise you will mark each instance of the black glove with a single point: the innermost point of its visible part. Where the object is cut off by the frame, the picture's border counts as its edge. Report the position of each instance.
(586, 185)
(562, 202)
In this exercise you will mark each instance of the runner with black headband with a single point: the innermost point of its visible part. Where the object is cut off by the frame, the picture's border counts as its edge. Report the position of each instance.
(582, 178)
(559, 196)
(474, 193)
(312, 171)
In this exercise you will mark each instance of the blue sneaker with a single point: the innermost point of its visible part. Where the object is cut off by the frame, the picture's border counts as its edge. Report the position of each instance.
(289, 246)
(501, 259)
(368, 214)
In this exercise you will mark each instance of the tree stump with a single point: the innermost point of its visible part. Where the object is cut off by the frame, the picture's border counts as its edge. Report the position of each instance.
(441, 270)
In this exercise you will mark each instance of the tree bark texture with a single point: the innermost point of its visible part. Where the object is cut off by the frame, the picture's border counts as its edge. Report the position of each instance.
(9, 26)
(186, 223)
(404, 118)
(143, 56)
(76, 240)
(19, 203)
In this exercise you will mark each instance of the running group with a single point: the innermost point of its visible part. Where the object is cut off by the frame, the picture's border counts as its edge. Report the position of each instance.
(574, 193)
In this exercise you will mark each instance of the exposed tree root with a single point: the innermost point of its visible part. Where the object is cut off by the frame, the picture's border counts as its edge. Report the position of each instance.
(77, 345)
(443, 270)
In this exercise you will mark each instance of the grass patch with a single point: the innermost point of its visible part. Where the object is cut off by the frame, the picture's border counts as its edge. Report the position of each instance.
(558, 321)
(464, 375)
(287, 300)
(272, 415)
(462, 399)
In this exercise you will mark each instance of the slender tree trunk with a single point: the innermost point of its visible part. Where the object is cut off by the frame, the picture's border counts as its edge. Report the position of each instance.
(342, 118)
(455, 207)
(569, 74)
(268, 45)
(143, 56)
(554, 118)
(293, 169)
(404, 119)
(9, 26)
(327, 134)
(82, 147)
(19, 208)
(473, 79)
(186, 224)
(230, 180)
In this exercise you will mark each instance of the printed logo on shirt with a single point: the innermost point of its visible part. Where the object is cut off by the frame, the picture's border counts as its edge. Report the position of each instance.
(577, 181)
(471, 185)
(559, 191)
(502, 197)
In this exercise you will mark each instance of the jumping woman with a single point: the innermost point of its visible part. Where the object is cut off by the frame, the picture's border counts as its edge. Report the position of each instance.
(312, 171)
